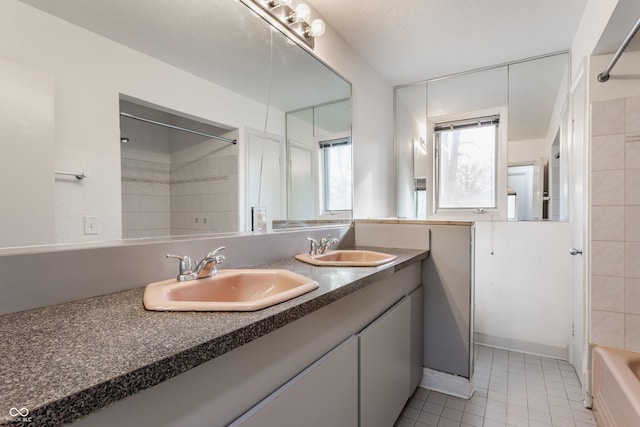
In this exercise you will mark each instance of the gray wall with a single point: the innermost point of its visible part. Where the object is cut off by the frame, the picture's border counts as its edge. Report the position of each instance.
(38, 279)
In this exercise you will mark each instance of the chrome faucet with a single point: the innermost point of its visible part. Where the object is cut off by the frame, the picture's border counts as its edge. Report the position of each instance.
(205, 268)
(323, 246)
(325, 242)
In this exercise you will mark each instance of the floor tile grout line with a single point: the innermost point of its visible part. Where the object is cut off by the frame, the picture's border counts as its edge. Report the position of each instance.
(525, 390)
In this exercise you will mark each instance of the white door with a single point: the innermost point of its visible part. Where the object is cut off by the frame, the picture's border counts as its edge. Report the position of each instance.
(527, 181)
(265, 175)
(576, 194)
(301, 182)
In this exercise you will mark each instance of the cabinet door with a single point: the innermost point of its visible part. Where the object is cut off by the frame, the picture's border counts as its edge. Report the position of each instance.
(324, 394)
(385, 362)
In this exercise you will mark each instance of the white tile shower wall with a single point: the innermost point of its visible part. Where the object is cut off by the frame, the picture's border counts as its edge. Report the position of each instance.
(145, 198)
(615, 223)
(204, 195)
(159, 199)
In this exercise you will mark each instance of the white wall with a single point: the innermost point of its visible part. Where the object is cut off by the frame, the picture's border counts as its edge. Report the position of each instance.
(89, 73)
(26, 156)
(529, 150)
(624, 80)
(594, 20)
(522, 286)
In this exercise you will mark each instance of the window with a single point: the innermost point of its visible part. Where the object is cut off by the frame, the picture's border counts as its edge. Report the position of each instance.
(466, 163)
(336, 160)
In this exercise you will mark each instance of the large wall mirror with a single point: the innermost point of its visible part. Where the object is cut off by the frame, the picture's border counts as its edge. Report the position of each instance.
(522, 106)
(74, 72)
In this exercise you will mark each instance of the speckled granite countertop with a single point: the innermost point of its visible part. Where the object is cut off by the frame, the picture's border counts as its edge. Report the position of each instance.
(65, 361)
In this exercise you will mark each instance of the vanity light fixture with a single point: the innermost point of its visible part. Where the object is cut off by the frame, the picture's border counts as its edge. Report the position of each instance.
(295, 21)
(301, 13)
(316, 29)
(278, 3)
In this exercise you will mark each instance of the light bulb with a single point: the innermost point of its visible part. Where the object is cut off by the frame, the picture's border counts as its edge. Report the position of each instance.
(303, 12)
(317, 28)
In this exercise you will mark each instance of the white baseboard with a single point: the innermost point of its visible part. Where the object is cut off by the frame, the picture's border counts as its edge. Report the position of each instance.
(446, 383)
(521, 346)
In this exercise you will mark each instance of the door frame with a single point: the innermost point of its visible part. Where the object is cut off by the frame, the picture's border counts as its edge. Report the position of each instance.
(579, 349)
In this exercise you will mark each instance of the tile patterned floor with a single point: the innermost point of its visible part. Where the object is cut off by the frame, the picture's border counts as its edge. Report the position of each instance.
(512, 390)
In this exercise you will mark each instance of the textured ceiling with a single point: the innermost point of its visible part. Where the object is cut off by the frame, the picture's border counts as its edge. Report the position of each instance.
(414, 40)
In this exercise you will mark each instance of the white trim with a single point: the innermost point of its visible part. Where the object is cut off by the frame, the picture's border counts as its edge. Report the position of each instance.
(450, 384)
(321, 211)
(521, 346)
(501, 170)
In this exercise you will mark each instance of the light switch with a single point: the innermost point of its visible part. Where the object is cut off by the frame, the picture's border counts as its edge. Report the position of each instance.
(90, 225)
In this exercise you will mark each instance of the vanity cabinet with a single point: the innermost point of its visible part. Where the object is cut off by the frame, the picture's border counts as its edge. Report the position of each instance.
(370, 375)
(385, 366)
(324, 394)
(306, 373)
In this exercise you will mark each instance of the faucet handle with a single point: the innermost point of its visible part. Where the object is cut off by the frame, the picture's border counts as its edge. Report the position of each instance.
(325, 242)
(313, 248)
(185, 267)
(185, 263)
(214, 255)
(328, 240)
(211, 254)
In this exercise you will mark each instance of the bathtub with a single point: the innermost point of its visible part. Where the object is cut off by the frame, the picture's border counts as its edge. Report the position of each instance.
(616, 387)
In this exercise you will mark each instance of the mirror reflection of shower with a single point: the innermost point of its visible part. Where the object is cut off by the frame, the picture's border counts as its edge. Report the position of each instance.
(176, 182)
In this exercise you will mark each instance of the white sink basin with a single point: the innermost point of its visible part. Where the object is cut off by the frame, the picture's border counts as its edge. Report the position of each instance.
(348, 258)
(229, 290)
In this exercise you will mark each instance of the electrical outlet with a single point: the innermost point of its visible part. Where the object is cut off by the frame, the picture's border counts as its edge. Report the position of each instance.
(91, 225)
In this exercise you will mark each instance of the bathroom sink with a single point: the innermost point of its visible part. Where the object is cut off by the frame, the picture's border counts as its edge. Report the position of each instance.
(229, 290)
(348, 258)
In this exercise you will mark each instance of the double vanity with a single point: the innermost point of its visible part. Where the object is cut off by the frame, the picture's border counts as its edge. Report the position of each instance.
(324, 344)
(207, 289)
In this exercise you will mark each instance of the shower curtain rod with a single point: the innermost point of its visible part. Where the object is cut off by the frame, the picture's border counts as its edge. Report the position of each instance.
(142, 119)
(604, 76)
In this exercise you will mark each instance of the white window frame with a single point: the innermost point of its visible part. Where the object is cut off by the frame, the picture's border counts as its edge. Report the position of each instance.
(500, 212)
(324, 212)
